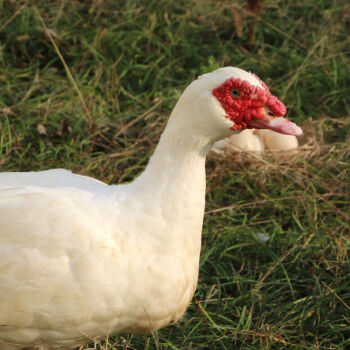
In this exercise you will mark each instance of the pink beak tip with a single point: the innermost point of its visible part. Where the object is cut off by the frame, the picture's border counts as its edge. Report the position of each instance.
(285, 126)
(298, 130)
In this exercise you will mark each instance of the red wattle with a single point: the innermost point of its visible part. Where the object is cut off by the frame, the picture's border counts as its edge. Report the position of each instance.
(249, 104)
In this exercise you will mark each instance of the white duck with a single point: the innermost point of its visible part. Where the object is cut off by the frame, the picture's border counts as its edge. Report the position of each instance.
(80, 259)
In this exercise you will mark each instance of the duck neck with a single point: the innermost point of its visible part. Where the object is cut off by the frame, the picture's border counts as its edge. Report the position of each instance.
(177, 167)
(173, 185)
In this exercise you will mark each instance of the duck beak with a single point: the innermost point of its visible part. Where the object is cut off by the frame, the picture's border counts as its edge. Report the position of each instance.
(278, 124)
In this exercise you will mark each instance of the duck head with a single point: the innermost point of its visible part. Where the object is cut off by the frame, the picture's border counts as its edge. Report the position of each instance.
(230, 99)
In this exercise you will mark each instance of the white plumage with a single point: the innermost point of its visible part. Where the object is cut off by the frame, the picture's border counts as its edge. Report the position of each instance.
(80, 259)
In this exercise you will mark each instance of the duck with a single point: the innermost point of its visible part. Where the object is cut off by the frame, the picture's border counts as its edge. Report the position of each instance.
(81, 259)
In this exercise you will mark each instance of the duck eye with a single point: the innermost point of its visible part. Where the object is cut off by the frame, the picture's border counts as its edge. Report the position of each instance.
(235, 93)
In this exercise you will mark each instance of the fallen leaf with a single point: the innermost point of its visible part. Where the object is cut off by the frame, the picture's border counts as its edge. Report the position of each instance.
(7, 111)
(41, 129)
(256, 7)
(51, 32)
(22, 37)
(253, 8)
(237, 20)
(64, 128)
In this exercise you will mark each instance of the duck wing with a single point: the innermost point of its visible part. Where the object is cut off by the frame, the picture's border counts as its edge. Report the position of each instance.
(53, 178)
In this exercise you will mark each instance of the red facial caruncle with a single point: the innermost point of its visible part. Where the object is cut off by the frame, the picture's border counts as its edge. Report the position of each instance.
(246, 104)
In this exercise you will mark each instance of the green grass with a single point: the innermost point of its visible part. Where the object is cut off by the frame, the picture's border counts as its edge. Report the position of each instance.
(130, 61)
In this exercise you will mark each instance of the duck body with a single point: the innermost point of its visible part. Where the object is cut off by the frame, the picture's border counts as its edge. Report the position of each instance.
(94, 256)
(81, 259)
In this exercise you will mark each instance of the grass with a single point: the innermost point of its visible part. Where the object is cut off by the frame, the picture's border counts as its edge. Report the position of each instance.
(130, 60)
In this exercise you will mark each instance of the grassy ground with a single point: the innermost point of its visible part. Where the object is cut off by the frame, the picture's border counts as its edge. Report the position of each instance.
(130, 61)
